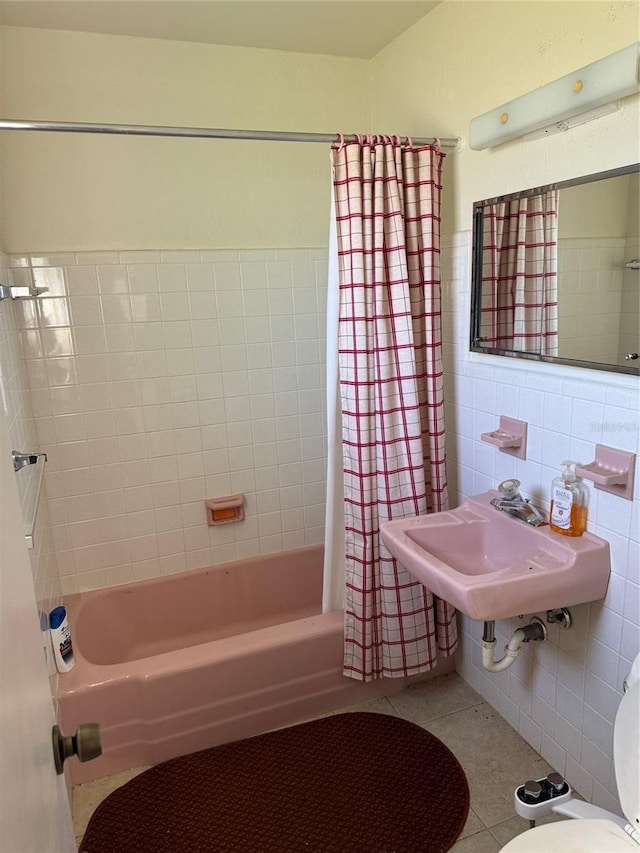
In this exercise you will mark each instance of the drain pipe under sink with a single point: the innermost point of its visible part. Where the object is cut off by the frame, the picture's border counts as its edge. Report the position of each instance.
(535, 630)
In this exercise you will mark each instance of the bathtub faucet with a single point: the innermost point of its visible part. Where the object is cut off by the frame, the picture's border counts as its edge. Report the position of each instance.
(515, 505)
(21, 460)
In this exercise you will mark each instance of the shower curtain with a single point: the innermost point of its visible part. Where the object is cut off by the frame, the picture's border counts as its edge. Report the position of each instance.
(520, 274)
(333, 583)
(387, 208)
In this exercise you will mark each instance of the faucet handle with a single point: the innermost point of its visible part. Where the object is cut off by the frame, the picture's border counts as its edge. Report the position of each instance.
(510, 489)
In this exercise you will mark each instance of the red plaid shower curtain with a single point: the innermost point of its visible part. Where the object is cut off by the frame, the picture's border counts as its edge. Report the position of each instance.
(520, 274)
(391, 386)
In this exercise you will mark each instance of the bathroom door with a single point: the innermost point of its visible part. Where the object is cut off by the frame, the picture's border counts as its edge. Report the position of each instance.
(34, 807)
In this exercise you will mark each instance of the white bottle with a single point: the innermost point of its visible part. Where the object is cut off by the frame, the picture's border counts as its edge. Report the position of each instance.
(61, 639)
(45, 628)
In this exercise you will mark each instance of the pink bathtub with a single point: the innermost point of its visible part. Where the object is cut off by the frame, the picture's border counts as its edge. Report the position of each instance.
(177, 664)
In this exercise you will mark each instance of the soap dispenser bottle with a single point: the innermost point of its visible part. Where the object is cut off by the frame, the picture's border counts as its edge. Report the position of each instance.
(568, 503)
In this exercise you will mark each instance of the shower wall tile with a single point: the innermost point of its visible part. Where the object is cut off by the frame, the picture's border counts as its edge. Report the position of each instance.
(563, 695)
(591, 270)
(161, 378)
(18, 406)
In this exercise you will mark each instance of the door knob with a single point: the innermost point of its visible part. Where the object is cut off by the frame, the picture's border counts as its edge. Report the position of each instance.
(85, 743)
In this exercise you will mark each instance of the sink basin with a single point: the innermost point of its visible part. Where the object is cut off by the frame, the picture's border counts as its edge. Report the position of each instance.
(490, 566)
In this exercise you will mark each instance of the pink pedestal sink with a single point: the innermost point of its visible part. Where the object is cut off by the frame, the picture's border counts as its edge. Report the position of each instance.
(491, 566)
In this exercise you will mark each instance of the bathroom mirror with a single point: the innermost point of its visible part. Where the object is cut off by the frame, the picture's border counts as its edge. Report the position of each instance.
(556, 273)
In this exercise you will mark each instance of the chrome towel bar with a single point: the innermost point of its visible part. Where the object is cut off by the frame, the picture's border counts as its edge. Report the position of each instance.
(30, 494)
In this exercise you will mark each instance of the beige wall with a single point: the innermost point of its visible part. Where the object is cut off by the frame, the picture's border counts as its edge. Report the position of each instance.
(599, 209)
(2, 138)
(83, 192)
(445, 71)
(65, 192)
(633, 211)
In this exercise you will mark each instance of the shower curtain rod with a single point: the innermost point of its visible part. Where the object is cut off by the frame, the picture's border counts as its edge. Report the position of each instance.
(195, 132)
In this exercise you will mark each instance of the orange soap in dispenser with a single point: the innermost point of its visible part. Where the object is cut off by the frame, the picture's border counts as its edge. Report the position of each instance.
(568, 502)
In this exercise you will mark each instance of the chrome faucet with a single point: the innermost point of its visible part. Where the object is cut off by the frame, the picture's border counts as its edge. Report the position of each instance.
(515, 505)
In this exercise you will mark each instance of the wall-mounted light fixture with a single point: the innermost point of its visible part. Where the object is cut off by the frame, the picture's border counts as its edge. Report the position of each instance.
(562, 103)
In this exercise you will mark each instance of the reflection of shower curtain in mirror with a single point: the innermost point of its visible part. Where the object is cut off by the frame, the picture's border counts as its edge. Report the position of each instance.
(519, 274)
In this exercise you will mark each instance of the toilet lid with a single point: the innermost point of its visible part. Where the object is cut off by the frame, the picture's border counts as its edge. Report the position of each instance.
(573, 836)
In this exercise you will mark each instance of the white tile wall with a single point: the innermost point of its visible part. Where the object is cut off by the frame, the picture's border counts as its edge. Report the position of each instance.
(562, 695)
(630, 308)
(591, 271)
(16, 403)
(159, 379)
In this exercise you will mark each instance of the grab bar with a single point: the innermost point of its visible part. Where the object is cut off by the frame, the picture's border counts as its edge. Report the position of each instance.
(34, 464)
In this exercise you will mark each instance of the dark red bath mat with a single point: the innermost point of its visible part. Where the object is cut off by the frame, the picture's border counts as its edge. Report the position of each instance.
(350, 783)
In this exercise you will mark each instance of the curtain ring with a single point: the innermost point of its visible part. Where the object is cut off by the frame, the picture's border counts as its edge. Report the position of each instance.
(409, 142)
(397, 140)
(438, 146)
(341, 142)
(359, 138)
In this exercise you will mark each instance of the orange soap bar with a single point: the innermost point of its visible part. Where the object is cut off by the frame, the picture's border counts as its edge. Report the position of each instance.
(223, 514)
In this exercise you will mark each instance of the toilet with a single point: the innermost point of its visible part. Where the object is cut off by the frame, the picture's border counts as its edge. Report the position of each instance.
(595, 829)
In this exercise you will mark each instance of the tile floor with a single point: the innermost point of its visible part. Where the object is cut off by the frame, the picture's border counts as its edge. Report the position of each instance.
(494, 756)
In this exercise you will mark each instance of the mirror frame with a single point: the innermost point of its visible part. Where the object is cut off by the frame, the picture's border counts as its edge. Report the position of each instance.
(476, 276)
